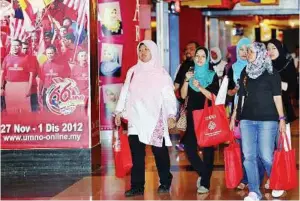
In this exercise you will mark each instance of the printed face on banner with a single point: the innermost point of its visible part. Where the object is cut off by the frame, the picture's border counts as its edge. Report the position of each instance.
(111, 60)
(111, 94)
(45, 74)
(109, 16)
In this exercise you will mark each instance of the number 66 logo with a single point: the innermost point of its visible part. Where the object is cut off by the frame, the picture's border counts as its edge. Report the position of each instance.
(63, 96)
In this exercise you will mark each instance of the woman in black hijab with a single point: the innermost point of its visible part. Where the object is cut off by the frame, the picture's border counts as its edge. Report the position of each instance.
(285, 67)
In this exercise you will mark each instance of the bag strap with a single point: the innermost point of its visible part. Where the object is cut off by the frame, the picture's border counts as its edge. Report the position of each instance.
(282, 138)
(286, 65)
(212, 101)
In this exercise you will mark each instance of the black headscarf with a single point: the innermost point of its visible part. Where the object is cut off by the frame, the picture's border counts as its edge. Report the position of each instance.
(281, 60)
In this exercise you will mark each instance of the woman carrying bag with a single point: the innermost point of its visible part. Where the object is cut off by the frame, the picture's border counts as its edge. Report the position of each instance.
(199, 85)
(148, 102)
(260, 87)
(288, 74)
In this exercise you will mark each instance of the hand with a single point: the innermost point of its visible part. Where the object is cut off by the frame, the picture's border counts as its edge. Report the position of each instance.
(282, 126)
(171, 123)
(118, 119)
(28, 93)
(2, 92)
(232, 124)
(189, 75)
(72, 64)
(232, 92)
(196, 83)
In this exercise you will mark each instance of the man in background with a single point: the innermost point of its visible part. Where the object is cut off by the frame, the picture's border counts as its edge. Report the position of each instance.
(186, 65)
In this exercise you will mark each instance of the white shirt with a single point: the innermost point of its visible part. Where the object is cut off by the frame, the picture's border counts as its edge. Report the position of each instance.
(147, 124)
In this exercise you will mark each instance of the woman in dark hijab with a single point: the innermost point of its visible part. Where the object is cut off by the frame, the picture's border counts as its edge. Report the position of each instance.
(288, 74)
(287, 71)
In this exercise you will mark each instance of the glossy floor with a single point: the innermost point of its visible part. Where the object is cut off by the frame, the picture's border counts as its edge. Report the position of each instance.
(103, 185)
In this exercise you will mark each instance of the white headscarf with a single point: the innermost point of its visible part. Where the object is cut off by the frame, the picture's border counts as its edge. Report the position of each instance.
(145, 101)
(219, 55)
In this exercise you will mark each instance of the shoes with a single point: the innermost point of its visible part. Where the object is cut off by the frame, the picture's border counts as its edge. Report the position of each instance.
(179, 147)
(134, 192)
(267, 185)
(202, 190)
(278, 193)
(163, 189)
(252, 196)
(198, 184)
(241, 186)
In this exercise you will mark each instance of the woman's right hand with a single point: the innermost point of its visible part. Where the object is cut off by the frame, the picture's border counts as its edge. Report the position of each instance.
(189, 75)
(118, 119)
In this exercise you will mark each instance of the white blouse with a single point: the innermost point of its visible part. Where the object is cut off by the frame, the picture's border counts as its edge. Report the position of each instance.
(144, 127)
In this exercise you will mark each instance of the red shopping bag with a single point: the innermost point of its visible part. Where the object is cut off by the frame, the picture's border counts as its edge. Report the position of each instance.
(233, 165)
(211, 125)
(284, 172)
(122, 154)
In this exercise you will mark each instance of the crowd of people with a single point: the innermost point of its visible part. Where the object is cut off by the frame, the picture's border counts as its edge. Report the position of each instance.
(262, 81)
(31, 61)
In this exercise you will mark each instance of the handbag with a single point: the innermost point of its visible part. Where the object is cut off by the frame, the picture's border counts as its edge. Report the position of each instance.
(182, 122)
(211, 125)
(284, 172)
(233, 164)
(237, 131)
(122, 154)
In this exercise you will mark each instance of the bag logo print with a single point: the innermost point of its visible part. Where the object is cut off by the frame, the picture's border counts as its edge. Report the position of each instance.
(211, 125)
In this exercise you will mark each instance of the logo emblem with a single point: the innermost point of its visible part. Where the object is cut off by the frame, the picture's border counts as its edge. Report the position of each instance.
(63, 96)
(211, 125)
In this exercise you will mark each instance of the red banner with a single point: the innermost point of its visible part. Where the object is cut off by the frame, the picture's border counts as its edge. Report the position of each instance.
(45, 70)
(119, 35)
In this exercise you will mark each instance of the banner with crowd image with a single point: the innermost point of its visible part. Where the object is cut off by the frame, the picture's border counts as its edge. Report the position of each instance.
(119, 35)
(44, 74)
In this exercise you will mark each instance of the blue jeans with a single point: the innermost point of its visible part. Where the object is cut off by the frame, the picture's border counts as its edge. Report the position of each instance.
(261, 169)
(258, 140)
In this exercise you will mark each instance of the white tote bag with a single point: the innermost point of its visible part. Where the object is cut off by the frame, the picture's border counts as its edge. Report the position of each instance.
(221, 97)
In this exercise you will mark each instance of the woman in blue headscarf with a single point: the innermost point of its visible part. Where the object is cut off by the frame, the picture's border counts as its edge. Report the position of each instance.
(199, 84)
(235, 72)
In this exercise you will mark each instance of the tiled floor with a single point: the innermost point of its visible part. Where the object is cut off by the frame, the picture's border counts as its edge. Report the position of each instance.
(103, 185)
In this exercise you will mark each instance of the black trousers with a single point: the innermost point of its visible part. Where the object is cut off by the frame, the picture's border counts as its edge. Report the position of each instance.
(34, 102)
(203, 167)
(162, 160)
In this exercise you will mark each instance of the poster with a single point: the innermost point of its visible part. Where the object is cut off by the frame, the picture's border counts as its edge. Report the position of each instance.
(111, 93)
(119, 35)
(45, 74)
(111, 60)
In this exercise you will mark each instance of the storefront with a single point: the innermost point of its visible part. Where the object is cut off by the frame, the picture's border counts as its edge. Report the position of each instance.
(259, 22)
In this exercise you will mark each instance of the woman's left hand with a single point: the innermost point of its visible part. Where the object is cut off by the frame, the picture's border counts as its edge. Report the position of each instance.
(171, 123)
(282, 126)
(196, 83)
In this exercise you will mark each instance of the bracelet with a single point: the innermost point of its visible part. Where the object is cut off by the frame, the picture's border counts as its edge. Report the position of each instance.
(282, 118)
